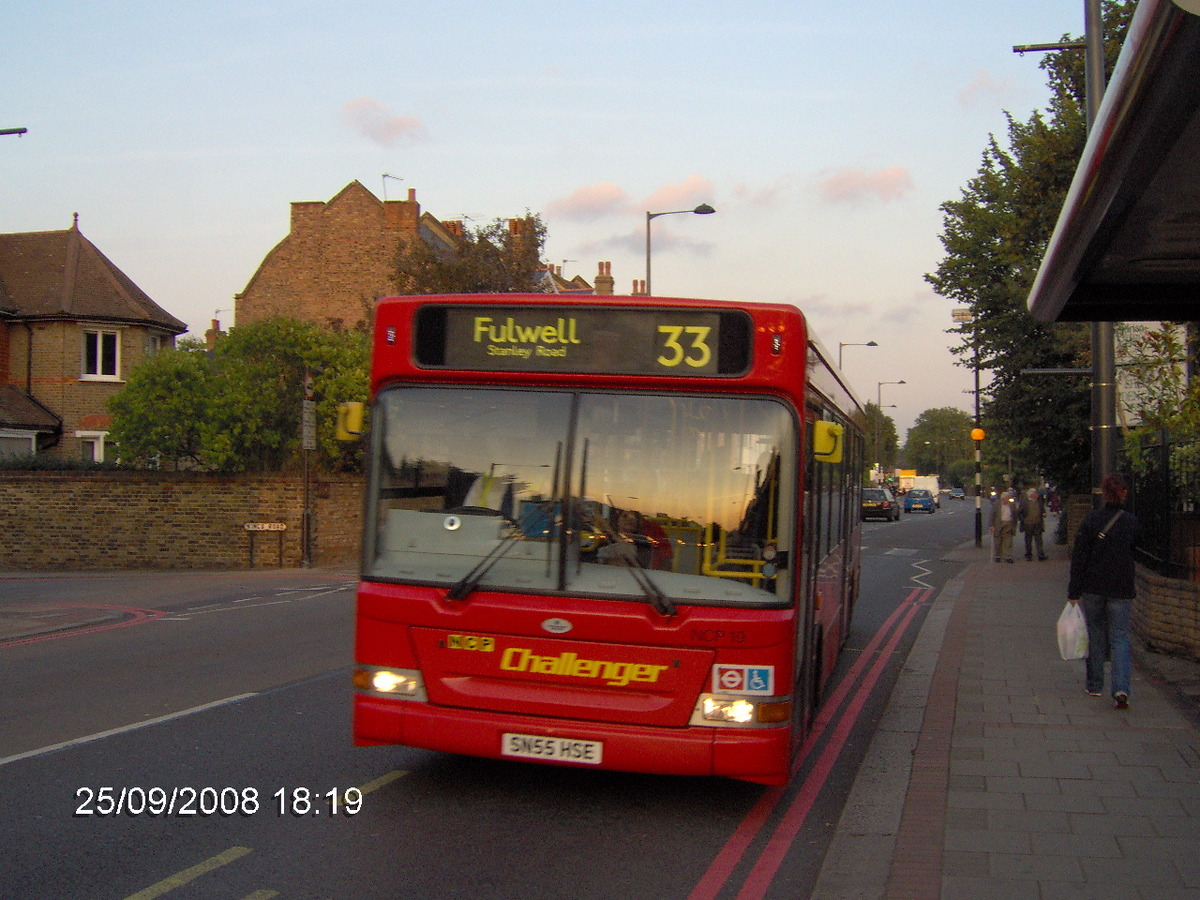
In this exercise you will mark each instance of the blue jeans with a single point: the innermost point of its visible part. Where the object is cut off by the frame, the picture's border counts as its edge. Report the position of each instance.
(1108, 634)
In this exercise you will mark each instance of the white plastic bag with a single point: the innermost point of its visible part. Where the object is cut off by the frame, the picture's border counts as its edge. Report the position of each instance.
(1072, 633)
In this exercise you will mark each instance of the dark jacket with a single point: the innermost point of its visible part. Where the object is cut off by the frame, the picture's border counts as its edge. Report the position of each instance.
(1105, 565)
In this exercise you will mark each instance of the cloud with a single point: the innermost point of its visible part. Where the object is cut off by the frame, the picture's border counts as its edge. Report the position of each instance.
(834, 310)
(689, 193)
(985, 91)
(374, 121)
(854, 185)
(594, 201)
(767, 197)
(634, 244)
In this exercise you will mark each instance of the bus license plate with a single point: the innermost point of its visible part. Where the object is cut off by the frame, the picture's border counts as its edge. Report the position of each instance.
(533, 746)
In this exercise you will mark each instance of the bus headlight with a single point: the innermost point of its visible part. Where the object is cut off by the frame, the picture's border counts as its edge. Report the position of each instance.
(714, 709)
(403, 684)
(739, 711)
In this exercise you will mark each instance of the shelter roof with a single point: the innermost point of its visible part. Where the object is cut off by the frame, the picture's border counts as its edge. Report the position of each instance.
(1127, 243)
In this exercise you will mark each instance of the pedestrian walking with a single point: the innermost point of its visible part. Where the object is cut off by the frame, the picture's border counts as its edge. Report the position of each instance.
(1004, 525)
(1102, 582)
(1031, 517)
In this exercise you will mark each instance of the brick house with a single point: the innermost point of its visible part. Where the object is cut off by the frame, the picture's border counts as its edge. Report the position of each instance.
(72, 326)
(338, 258)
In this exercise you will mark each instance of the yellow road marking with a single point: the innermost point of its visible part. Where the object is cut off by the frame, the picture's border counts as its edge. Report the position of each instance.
(381, 781)
(233, 853)
(181, 878)
(373, 785)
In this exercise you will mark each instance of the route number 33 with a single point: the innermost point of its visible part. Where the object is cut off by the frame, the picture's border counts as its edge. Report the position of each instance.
(684, 344)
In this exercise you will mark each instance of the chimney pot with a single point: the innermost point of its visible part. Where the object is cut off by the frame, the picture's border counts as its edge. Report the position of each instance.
(604, 280)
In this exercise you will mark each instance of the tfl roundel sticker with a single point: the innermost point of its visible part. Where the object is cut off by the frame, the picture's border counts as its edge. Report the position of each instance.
(743, 679)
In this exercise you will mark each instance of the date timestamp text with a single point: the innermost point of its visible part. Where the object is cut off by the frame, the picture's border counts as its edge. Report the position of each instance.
(300, 802)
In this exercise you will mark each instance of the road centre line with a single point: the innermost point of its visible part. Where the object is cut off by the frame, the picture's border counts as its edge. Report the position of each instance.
(179, 879)
(75, 742)
(201, 612)
(227, 607)
(722, 866)
(312, 594)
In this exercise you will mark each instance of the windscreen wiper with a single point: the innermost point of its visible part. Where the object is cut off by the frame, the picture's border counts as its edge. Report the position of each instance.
(467, 584)
(661, 602)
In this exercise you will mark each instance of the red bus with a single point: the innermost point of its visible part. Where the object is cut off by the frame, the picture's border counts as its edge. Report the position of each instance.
(618, 532)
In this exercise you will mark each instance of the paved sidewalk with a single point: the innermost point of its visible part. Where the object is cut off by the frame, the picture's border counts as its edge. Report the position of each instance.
(994, 775)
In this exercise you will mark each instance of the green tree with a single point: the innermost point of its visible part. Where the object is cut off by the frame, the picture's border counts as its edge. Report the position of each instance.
(882, 441)
(502, 257)
(237, 408)
(159, 413)
(994, 238)
(939, 438)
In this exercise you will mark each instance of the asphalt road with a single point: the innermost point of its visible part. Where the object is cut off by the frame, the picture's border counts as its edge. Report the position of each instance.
(203, 751)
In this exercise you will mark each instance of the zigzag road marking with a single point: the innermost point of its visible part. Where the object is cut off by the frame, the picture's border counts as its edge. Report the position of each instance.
(923, 572)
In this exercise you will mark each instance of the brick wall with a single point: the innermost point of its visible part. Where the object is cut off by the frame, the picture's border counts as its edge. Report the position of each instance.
(1166, 614)
(5, 353)
(169, 520)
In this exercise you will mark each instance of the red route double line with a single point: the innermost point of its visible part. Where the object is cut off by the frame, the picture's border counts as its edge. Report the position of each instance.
(793, 818)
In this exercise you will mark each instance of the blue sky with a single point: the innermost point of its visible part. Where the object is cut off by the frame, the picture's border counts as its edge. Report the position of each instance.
(826, 136)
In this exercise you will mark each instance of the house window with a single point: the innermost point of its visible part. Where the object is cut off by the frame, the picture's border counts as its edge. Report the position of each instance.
(101, 355)
(17, 443)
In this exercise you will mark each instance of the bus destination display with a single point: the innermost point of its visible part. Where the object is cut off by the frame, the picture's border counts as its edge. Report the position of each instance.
(574, 339)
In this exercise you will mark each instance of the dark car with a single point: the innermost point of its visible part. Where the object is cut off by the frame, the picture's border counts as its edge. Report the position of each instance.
(920, 500)
(957, 493)
(878, 503)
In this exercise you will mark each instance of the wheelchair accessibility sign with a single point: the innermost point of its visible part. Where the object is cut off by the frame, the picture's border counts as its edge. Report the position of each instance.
(744, 680)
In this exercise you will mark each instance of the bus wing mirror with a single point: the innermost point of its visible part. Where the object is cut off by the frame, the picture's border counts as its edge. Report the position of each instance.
(828, 441)
(349, 421)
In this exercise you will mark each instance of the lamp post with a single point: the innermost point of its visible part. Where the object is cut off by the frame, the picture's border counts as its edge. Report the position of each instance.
(964, 316)
(879, 423)
(702, 210)
(841, 345)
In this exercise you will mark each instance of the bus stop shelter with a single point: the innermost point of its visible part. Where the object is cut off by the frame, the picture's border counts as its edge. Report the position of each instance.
(1127, 243)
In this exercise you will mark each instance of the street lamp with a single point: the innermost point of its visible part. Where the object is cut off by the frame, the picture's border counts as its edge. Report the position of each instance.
(841, 345)
(879, 422)
(964, 316)
(702, 210)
